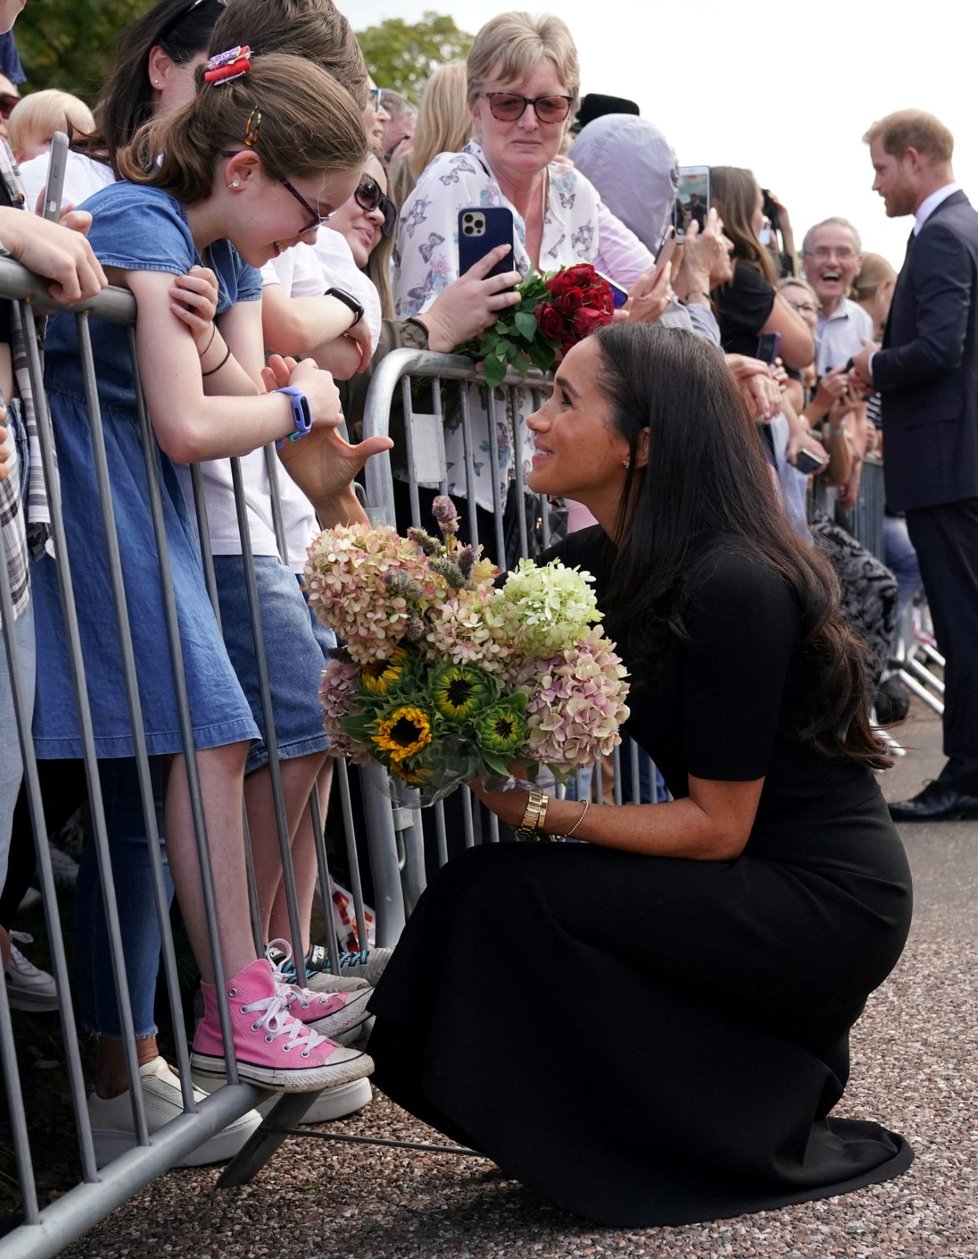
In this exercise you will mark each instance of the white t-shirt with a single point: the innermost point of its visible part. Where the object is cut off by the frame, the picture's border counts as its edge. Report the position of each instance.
(308, 271)
(83, 178)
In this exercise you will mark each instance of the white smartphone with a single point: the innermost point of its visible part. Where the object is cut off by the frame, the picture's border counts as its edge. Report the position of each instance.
(54, 188)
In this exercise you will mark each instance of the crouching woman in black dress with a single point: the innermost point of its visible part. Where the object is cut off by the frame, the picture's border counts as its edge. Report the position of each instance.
(652, 1027)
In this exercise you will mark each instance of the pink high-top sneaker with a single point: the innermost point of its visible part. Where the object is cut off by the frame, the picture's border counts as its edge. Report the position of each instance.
(330, 1013)
(272, 1047)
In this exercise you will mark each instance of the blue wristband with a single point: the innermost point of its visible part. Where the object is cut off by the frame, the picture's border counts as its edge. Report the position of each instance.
(301, 415)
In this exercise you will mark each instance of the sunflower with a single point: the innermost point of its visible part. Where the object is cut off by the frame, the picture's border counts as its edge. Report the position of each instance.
(403, 733)
(379, 677)
(501, 729)
(460, 690)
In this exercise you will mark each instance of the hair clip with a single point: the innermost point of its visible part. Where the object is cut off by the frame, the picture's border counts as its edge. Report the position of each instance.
(252, 127)
(225, 66)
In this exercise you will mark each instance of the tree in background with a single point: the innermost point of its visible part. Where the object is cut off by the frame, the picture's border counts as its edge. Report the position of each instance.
(401, 55)
(70, 43)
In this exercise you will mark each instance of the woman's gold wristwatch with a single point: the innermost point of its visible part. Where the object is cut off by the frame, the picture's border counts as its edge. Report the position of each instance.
(533, 819)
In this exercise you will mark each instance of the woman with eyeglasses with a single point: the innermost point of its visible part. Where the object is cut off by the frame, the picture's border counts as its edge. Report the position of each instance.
(523, 86)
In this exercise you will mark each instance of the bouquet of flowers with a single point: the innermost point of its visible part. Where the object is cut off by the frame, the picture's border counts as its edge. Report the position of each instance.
(445, 676)
(555, 312)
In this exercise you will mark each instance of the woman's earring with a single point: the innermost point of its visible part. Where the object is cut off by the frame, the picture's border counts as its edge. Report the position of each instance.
(235, 183)
(626, 463)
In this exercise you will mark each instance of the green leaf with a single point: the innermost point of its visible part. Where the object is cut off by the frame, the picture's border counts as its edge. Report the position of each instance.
(495, 765)
(526, 324)
(495, 369)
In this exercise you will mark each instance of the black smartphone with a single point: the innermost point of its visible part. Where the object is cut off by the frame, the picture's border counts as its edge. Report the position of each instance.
(54, 188)
(808, 463)
(481, 228)
(692, 198)
(768, 346)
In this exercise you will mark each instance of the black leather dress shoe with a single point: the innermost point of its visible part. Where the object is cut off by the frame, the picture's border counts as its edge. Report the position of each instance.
(938, 802)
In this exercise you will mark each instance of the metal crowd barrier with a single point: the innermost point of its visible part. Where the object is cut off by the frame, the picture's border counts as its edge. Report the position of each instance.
(36, 1229)
(865, 521)
(382, 834)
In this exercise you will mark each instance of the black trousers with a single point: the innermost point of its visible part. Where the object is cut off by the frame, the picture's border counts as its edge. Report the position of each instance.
(945, 538)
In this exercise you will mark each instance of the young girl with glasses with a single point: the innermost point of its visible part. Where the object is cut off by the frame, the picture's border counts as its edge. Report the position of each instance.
(185, 201)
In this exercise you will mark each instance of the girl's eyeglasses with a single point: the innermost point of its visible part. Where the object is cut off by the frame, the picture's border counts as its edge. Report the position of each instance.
(369, 196)
(315, 218)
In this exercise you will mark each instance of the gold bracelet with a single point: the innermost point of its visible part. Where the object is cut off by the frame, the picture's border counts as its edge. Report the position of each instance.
(587, 805)
(534, 817)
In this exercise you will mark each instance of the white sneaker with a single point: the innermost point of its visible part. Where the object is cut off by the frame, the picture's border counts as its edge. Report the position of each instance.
(29, 987)
(113, 1131)
(334, 1103)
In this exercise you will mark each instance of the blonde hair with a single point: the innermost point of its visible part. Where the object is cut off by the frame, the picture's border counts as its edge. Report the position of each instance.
(912, 129)
(796, 282)
(38, 116)
(304, 124)
(873, 274)
(519, 42)
(443, 125)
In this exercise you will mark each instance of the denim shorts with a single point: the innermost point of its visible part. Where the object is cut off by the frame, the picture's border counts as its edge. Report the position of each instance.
(296, 650)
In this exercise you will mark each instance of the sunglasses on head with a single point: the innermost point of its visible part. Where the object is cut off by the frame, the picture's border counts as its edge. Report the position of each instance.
(174, 22)
(369, 196)
(7, 103)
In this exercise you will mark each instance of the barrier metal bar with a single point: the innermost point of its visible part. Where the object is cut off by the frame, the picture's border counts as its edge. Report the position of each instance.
(46, 1231)
(8, 1054)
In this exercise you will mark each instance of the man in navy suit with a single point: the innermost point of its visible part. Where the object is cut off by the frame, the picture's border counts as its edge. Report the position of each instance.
(927, 375)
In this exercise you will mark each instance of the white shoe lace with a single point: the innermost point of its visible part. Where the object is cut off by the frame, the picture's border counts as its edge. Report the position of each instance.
(277, 1021)
(285, 987)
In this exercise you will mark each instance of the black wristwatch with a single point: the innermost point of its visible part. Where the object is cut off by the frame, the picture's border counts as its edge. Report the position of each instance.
(348, 300)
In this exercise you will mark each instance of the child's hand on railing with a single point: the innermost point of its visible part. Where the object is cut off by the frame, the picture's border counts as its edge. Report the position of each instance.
(193, 299)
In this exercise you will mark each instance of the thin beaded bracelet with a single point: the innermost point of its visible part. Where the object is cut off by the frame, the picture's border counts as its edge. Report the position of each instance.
(587, 805)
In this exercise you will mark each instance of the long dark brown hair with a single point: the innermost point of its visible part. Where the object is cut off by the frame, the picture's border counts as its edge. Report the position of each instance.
(127, 97)
(706, 482)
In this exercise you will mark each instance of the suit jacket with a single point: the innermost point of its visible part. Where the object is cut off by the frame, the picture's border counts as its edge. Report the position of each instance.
(927, 369)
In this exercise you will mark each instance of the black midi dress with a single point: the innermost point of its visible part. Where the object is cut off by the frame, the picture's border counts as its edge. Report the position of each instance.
(649, 1040)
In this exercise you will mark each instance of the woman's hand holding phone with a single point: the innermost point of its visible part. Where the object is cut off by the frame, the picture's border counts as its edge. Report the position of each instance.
(472, 303)
(650, 295)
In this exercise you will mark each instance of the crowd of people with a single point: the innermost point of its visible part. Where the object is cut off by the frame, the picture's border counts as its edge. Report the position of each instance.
(283, 222)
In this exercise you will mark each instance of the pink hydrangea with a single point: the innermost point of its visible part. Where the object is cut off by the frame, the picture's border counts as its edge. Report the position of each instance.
(575, 703)
(337, 694)
(457, 630)
(346, 580)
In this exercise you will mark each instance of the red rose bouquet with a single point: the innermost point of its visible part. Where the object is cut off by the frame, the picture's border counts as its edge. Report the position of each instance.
(555, 312)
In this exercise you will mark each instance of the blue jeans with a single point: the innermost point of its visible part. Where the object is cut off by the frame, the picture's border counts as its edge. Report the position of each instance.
(139, 925)
(901, 559)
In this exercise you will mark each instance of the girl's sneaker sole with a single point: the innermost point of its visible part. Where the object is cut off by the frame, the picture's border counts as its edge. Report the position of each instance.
(349, 1066)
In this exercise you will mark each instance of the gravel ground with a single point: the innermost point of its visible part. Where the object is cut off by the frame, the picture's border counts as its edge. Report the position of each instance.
(914, 1068)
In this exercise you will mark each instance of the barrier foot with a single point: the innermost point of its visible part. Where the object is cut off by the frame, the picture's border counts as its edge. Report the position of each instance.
(264, 1141)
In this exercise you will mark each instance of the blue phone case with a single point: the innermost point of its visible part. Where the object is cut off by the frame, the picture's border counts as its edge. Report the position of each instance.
(481, 228)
